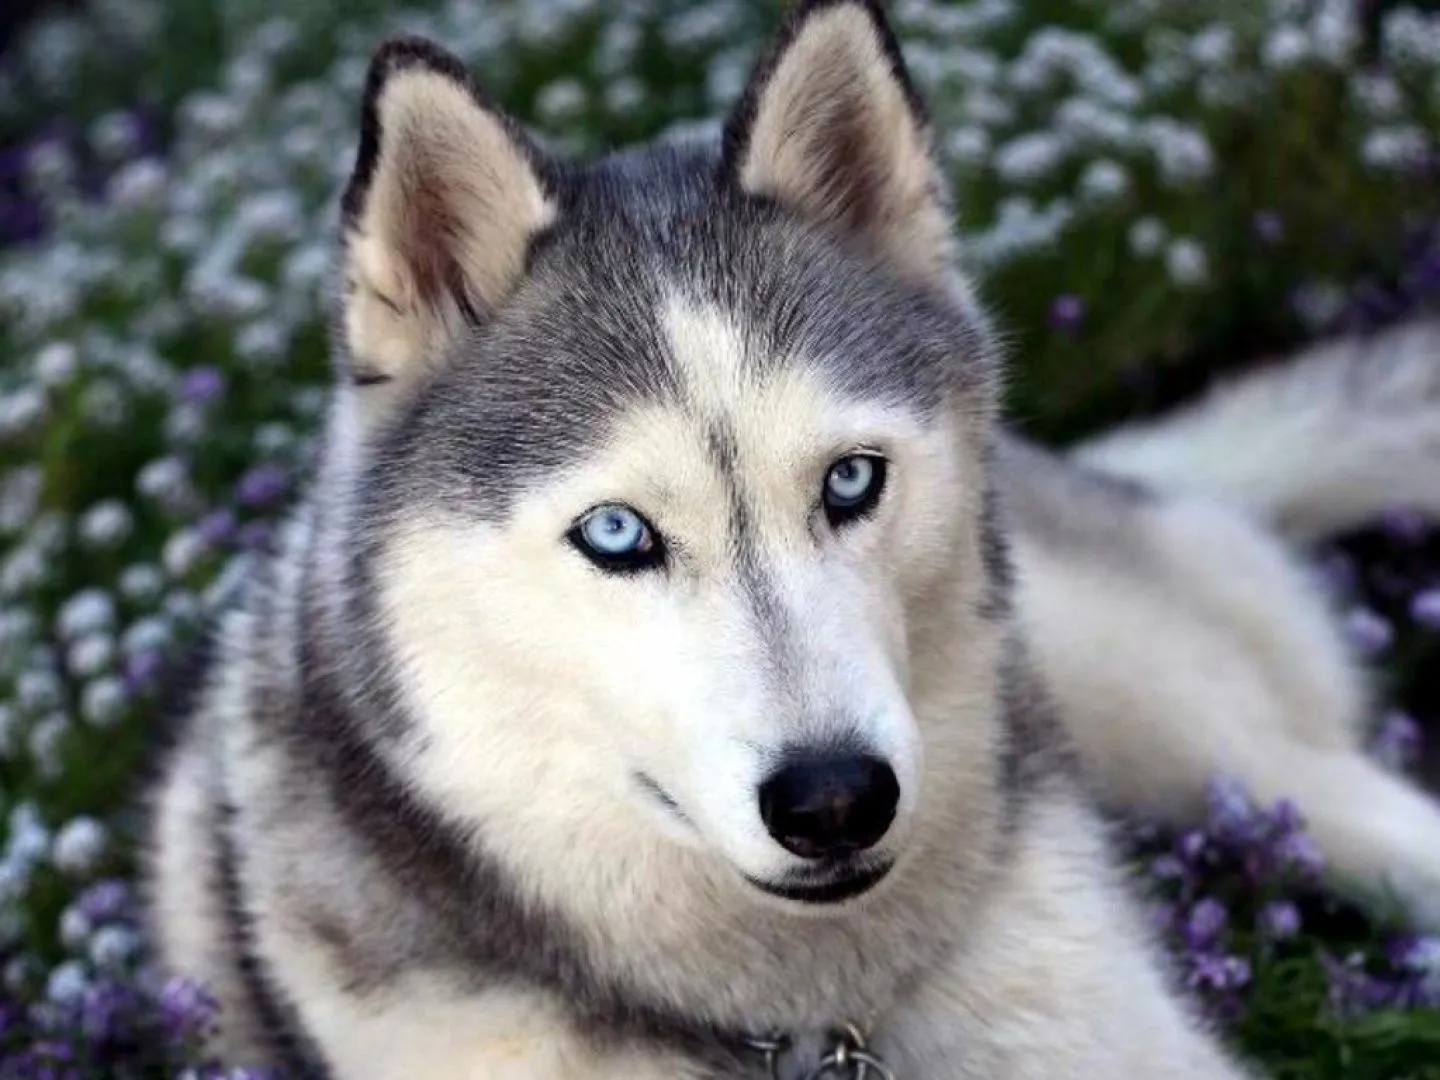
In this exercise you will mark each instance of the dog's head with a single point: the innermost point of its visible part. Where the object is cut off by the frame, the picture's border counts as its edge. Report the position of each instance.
(667, 471)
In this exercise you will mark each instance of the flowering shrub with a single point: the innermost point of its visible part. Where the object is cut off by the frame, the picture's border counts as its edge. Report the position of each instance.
(1150, 191)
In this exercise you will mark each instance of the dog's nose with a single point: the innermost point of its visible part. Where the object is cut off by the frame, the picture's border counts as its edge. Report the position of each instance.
(825, 806)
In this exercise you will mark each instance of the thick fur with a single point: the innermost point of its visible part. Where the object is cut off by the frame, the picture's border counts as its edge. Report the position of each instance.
(453, 802)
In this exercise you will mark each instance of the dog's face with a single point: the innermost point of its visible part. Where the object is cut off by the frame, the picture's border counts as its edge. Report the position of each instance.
(673, 466)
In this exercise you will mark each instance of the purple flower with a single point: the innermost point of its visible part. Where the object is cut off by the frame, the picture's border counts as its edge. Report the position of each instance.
(256, 535)
(1352, 989)
(1216, 972)
(1336, 573)
(202, 385)
(1269, 226)
(142, 669)
(105, 901)
(1207, 922)
(263, 485)
(1405, 526)
(1425, 608)
(1230, 814)
(217, 528)
(107, 1011)
(1279, 920)
(1285, 817)
(1169, 867)
(1418, 953)
(1397, 743)
(1192, 847)
(1368, 632)
(187, 1011)
(1067, 312)
(1165, 916)
(1298, 853)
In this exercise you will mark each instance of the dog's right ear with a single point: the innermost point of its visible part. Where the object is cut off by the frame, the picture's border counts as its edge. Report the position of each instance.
(832, 127)
(446, 194)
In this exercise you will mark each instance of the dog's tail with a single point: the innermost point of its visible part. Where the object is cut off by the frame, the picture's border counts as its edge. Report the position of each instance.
(1323, 442)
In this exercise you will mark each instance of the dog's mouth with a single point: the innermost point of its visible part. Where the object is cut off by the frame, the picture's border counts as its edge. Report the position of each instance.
(827, 885)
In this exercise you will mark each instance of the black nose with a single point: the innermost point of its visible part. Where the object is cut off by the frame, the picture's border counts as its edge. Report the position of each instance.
(826, 806)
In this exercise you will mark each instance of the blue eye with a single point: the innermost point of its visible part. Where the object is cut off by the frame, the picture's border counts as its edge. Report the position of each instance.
(615, 537)
(852, 487)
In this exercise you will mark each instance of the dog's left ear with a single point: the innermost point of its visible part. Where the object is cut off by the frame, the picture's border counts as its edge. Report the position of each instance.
(446, 195)
(831, 126)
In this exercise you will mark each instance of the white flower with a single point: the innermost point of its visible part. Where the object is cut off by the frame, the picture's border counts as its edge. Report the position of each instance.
(1213, 46)
(75, 928)
(89, 611)
(1394, 148)
(1410, 37)
(273, 440)
(968, 145)
(1030, 158)
(106, 525)
(67, 983)
(165, 480)
(10, 728)
(1335, 32)
(1086, 121)
(1147, 236)
(1181, 152)
(139, 185)
(1186, 262)
(182, 552)
(78, 845)
(617, 47)
(112, 947)
(561, 101)
(142, 583)
(1285, 48)
(262, 342)
(1318, 304)
(56, 365)
(145, 635)
(22, 570)
(181, 606)
(104, 404)
(1104, 180)
(91, 655)
(1377, 94)
(21, 411)
(29, 838)
(38, 690)
(47, 740)
(272, 215)
(209, 116)
(986, 109)
(625, 94)
(1020, 227)
(20, 490)
(102, 702)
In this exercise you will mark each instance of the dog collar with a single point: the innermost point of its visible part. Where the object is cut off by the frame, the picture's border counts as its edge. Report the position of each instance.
(843, 1055)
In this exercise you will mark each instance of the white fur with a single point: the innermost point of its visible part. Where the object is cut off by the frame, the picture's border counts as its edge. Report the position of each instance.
(1346, 431)
(1204, 647)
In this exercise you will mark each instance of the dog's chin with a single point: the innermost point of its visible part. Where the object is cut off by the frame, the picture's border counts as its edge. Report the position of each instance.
(829, 887)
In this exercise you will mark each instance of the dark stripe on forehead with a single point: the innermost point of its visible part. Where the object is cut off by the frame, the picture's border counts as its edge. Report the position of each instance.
(771, 619)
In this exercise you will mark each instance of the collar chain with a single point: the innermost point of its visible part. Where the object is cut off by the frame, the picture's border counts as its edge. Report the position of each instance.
(848, 1059)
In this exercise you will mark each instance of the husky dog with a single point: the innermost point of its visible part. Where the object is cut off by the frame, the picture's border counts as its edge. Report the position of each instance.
(675, 672)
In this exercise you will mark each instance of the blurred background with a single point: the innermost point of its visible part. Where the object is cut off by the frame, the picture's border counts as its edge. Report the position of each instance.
(1152, 193)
